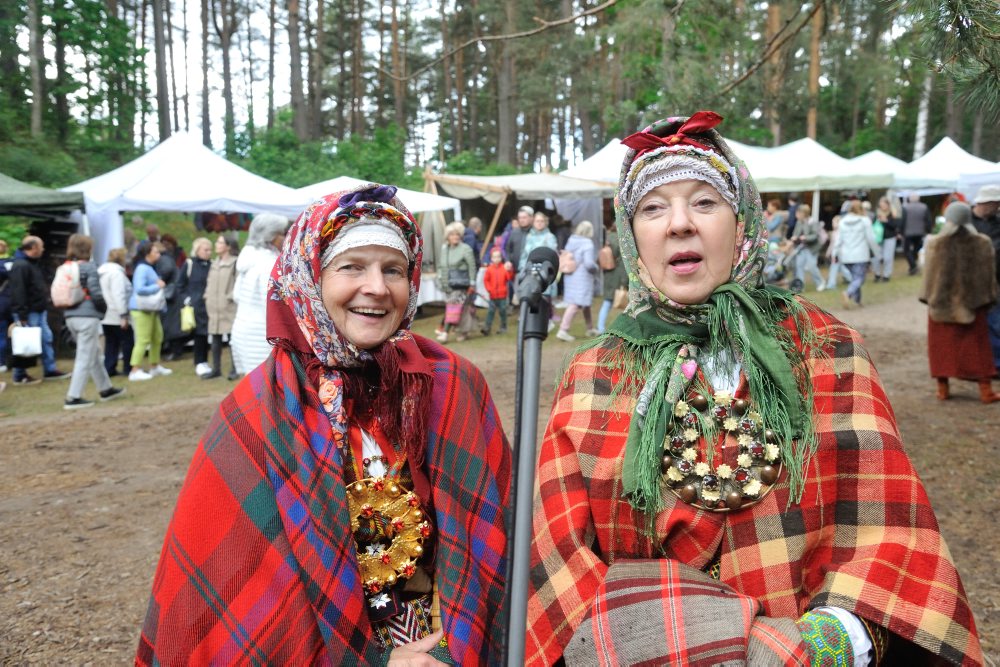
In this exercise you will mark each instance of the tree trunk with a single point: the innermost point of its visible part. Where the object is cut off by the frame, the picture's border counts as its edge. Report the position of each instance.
(251, 130)
(59, 89)
(143, 95)
(187, 82)
(357, 60)
(459, 126)
(172, 62)
(506, 113)
(316, 80)
(774, 73)
(977, 133)
(398, 86)
(206, 122)
(814, 40)
(272, 19)
(36, 65)
(160, 51)
(226, 11)
(297, 101)
(10, 70)
(920, 141)
(447, 119)
(953, 114)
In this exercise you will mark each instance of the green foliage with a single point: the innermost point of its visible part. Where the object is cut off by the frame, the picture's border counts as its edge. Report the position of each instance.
(38, 162)
(12, 230)
(474, 163)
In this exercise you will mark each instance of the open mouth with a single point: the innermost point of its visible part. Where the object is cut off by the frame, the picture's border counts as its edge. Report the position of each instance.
(685, 259)
(374, 313)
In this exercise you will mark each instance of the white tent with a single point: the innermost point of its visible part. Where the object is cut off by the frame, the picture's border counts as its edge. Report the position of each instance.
(941, 167)
(969, 184)
(799, 165)
(495, 189)
(876, 162)
(180, 174)
(417, 202)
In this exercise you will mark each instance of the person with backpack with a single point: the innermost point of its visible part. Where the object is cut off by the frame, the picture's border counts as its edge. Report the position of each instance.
(613, 273)
(83, 313)
(29, 302)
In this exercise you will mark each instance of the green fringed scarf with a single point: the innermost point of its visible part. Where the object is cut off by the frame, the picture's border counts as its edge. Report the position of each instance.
(746, 322)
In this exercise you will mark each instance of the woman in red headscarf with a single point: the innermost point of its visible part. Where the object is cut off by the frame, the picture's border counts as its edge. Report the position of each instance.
(347, 499)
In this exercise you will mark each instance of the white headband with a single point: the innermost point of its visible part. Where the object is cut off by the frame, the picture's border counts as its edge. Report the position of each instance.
(367, 231)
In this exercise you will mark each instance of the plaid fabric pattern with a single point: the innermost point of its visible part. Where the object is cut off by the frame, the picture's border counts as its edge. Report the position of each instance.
(258, 564)
(864, 537)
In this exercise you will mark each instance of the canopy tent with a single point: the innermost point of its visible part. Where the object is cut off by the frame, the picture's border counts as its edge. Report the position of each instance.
(496, 189)
(417, 202)
(969, 184)
(17, 198)
(180, 174)
(941, 167)
(799, 165)
(876, 162)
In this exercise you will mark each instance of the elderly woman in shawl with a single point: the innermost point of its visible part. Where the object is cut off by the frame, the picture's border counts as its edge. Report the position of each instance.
(959, 288)
(722, 479)
(348, 496)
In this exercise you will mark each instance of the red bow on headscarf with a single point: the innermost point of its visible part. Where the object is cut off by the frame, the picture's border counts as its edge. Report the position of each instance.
(700, 122)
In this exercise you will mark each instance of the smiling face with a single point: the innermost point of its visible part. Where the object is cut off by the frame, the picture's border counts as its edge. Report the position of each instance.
(687, 239)
(366, 291)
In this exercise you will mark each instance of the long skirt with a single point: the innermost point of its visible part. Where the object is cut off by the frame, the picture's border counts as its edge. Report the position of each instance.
(960, 350)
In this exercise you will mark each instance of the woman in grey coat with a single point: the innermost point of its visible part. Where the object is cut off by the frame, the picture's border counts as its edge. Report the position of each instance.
(117, 288)
(456, 277)
(84, 321)
(578, 286)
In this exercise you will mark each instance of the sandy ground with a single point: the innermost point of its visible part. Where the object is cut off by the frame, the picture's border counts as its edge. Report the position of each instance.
(86, 496)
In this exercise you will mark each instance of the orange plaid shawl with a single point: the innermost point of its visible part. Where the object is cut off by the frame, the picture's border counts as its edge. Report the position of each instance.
(864, 537)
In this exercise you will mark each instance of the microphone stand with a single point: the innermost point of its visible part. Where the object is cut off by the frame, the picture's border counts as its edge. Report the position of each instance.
(532, 330)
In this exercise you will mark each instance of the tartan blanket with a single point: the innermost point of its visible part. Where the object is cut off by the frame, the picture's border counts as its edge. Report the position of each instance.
(259, 566)
(864, 537)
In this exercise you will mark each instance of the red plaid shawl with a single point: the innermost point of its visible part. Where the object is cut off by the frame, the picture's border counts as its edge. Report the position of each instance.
(258, 565)
(864, 537)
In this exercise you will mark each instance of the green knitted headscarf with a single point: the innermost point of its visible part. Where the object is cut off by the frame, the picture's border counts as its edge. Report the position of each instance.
(661, 340)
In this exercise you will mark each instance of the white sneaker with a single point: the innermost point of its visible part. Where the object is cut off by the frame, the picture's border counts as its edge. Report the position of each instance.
(820, 287)
(552, 325)
(3, 369)
(442, 337)
(160, 370)
(592, 332)
(138, 374)
(202, 369)
(562, 335)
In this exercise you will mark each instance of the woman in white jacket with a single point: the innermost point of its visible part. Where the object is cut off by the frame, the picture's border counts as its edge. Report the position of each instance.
(854, 247)
(118, 336)
(248, 342)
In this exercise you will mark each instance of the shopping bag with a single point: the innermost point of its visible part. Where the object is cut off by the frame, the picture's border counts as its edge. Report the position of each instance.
(25, 341)
(187, 319)
(620, 299)
(452, 313)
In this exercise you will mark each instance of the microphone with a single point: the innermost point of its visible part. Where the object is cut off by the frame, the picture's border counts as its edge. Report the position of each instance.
(539, 272)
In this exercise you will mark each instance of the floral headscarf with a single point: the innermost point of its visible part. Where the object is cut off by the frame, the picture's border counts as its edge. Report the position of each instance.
(386, 380)
(663, 340)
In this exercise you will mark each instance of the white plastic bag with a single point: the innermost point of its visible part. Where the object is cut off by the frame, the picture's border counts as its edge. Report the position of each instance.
(26, 341)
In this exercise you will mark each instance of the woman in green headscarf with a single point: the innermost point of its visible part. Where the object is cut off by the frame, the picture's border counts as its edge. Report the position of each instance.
(722, 478)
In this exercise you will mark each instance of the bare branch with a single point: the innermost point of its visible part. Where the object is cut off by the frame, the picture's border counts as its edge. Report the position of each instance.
(770, 48)
(543, 26)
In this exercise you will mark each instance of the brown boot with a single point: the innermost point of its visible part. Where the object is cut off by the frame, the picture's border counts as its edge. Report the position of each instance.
(942, 389)
(986, 393)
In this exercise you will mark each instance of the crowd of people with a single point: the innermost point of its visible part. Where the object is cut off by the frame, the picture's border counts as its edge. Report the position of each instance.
(722, 479)
(141, 307)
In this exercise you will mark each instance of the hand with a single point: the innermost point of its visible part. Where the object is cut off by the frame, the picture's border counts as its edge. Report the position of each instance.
(415, 654)
(161, 283)
(472, 289)
(508, 266)
(187, 301)
(124, 324)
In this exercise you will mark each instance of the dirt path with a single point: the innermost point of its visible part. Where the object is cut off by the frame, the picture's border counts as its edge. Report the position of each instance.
(86, 497)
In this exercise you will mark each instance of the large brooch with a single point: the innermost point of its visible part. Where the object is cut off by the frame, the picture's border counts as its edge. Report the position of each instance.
(390, 524)
(722, 487)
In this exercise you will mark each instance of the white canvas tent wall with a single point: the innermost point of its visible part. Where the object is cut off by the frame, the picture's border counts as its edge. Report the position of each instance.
(799, 165)
(417, 202)
(180, 174)
(969, 184)
(941, 167)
